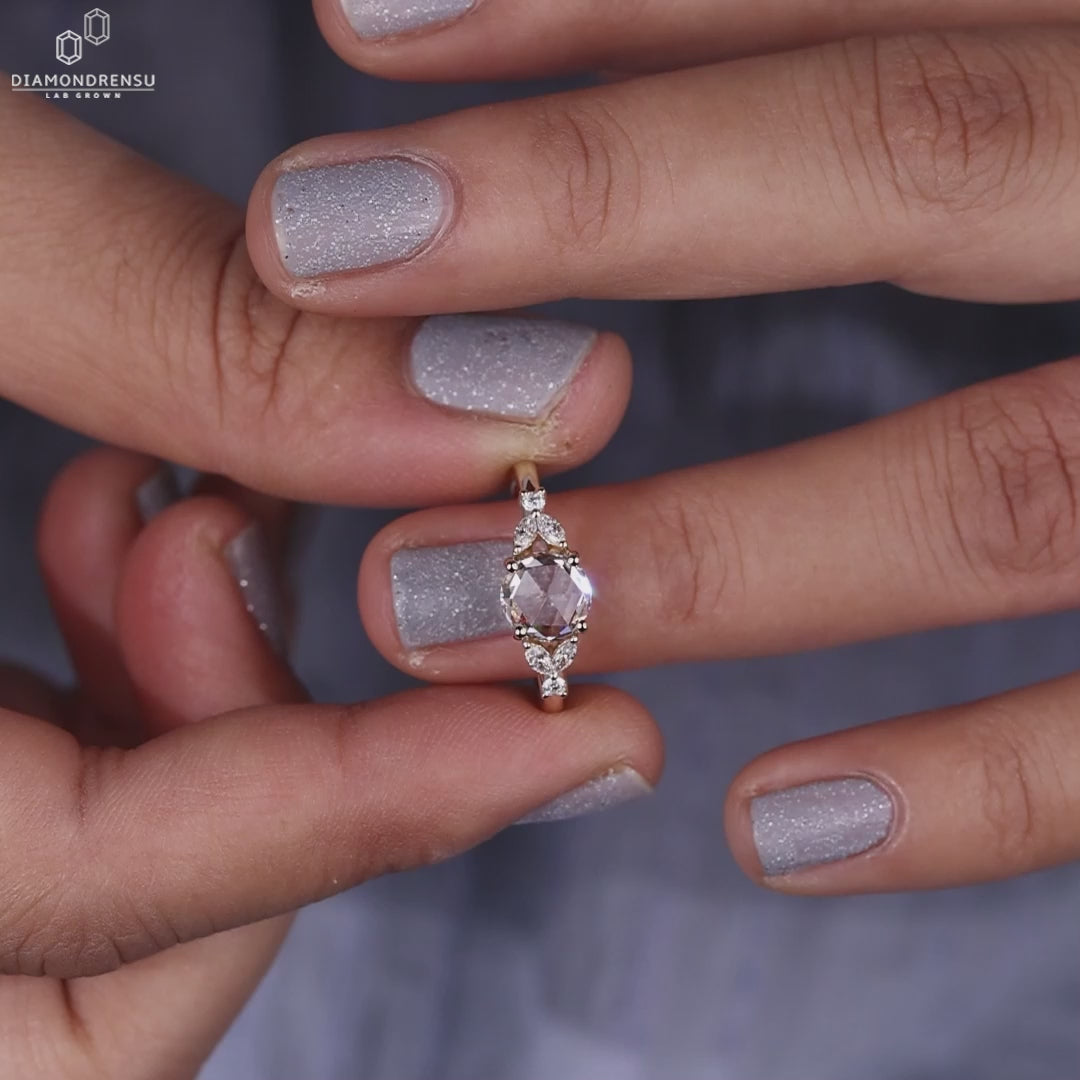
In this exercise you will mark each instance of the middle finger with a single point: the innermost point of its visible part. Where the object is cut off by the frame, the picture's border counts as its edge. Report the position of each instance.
(943, 163)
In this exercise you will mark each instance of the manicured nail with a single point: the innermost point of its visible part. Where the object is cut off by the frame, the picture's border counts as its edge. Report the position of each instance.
(156, 493)
(507, 367)
(347, 217)
(248, 556)
(444, 594)
(819, 823)
(601, 793)
(381, 18)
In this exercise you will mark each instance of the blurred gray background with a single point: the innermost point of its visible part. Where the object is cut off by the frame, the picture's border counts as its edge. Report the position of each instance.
(628, 946)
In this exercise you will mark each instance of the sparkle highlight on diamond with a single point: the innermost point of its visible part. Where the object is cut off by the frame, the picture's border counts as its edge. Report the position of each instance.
(546, 595)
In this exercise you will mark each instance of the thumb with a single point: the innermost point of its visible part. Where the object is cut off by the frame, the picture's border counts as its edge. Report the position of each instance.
(114, 855)
(131, 312)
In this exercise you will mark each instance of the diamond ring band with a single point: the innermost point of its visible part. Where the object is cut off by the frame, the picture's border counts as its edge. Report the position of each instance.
(546, 594)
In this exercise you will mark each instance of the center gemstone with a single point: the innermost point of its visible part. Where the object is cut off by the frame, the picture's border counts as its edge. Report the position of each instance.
(546, 595)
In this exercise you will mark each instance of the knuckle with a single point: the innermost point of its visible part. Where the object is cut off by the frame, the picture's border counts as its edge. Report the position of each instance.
(1008, 786)
(226, 344)
(68, 920)
(958, 122)
(588, 184)
(1012, 464)
(696, 557)
(56, 936)
(250, 339)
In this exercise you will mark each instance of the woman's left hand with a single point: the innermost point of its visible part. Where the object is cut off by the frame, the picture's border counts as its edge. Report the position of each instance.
(943, 162)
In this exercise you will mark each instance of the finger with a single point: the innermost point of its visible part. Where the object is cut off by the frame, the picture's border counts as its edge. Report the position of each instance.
(169, 343)
(952, 797)
(185, 602)
(251, 814)
(202, 588)
(932, 161)
(956, 511)
(462, 39)
(92, 515)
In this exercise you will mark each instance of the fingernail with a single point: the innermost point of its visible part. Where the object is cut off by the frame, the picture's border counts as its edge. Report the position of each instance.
(156, 493)
(601, 793)
(248, 556)
(444, 594)
(381, 18)
(361, 214)
(818, 823)
(508, 367)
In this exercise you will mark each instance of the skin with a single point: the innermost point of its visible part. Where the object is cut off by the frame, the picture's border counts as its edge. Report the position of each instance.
(168, 343)
(941, 162)
(158, 633)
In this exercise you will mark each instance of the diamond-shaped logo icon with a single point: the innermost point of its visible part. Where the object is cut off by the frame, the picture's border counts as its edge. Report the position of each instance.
(96, 26)
(68, 47)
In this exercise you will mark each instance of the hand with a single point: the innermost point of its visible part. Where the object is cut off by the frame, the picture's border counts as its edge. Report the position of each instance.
(158, 857)
(941, 162)
(131, 312)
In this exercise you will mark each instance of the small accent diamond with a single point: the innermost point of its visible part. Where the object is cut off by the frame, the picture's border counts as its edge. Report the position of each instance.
(541, 525)
(533, 500)
(553, 686)
(553, 663)
(564, 655)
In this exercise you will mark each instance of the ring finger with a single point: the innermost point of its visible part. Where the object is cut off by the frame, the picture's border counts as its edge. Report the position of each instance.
(958, 510)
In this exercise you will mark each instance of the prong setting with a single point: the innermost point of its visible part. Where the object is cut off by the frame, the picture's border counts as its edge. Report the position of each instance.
(546, 593)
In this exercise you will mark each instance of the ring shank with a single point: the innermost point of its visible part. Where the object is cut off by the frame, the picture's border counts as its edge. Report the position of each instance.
(525, 478)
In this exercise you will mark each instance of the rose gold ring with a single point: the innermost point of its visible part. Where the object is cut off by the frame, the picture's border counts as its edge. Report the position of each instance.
(546, 593)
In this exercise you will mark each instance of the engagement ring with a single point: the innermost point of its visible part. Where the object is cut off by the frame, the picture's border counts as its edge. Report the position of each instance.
(546, 594)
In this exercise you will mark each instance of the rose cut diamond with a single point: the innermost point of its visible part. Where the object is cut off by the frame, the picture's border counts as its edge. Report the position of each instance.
(547, 595)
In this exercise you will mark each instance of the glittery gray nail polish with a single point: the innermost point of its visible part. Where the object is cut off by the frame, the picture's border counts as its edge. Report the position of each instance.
(248, 556)
(601, 793)
(444, 594)
(156, 493)
(381, 18)
(509, 367)
(819, 823)
(364, 213)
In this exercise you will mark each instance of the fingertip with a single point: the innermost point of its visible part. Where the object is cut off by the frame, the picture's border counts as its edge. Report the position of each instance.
(738, 827)
(428, 599)
(75, 536)
(260, 236)
(580, 425)
(89, 521)
(428, 47)
(179, 599)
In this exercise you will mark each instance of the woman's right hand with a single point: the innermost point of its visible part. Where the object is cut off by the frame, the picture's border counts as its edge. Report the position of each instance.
(129, 310)
(130, 824)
